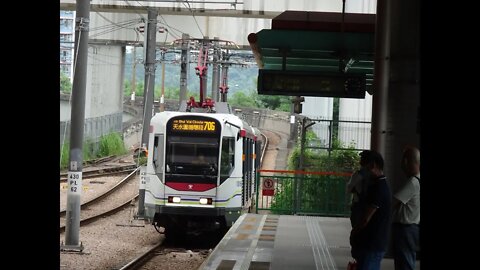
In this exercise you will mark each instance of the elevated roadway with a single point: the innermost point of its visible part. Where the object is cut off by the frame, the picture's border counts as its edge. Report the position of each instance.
(223, 19)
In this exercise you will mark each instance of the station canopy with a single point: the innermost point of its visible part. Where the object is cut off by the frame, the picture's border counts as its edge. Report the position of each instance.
(316, 54)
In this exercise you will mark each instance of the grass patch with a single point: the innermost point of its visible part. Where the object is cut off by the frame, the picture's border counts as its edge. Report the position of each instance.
(109, 145)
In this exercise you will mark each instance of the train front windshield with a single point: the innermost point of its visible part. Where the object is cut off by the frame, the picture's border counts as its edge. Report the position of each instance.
(192, 149)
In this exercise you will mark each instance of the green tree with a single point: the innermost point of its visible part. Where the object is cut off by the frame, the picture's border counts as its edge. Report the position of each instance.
(169, 92)
(127, 88)
(172, 93)
(275, 102)
(340, 158)
(284, 107)
(140, 87)
(336, 117)
(242, 100)
(196, 95)
(319, 194)
(65, 84)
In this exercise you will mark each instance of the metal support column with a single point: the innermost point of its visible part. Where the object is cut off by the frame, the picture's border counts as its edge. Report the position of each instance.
(224, 82)
(134, 76)
(204, 65)
(215, 70)
(162, 96)
(72, 225)
(381, 76)
(301, 160)
(150, 46)
(185, 59)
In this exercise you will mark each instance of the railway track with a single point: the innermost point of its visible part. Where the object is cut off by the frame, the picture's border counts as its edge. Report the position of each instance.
(102, 171)
(112, 211)
(190, 254)
(95, 167)
(100, 160)
(265, 145)
(142, 259)
(271, 147)
(106, 193)
(94, 208)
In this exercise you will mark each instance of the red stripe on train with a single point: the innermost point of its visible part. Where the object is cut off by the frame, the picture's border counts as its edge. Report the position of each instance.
(190, 186)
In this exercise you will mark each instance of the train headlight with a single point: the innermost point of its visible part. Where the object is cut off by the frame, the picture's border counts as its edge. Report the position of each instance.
(205, 200)
(172, 199)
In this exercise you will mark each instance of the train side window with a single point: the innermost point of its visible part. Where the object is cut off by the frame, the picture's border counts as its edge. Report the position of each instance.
(227, 161)
(158, 151)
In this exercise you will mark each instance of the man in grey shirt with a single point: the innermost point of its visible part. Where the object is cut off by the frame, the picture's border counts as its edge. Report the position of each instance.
(406, 212)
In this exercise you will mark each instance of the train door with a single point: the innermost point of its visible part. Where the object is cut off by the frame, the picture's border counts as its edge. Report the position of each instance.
(247, 170)
(227, 159)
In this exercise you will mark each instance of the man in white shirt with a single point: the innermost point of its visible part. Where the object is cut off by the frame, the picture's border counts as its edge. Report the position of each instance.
(406, 212)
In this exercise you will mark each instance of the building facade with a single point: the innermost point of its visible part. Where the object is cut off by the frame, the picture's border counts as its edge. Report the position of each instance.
(67, 37)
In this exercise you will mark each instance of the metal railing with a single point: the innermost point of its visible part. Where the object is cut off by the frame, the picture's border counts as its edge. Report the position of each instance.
(355, 133)
(94, 127)
(303, 193)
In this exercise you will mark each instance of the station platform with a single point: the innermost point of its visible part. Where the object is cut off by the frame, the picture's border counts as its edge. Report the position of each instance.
(258, 242)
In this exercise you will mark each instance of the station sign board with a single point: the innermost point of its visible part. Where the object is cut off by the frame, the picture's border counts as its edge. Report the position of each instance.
(268, 187)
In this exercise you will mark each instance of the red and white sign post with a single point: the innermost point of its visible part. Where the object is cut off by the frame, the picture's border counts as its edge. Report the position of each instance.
(267, 187)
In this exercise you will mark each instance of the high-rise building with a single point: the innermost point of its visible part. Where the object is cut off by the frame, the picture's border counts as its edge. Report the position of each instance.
(67, 37)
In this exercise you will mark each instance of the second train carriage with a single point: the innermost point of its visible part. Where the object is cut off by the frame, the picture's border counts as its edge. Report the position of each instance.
(200, 171)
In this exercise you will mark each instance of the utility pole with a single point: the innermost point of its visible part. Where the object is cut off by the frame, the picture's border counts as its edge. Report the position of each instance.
(185, 59)
(134, 74)
(215, 69)
(224, 81)
(162, 97)
(335, 121)
(202, 68)
(150, 48)
(381, 76)
(301, 166)
(150, 67)
(72, 226)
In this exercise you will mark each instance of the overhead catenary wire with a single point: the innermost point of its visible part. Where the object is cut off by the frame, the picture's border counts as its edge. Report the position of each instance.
(119, 24)
(193, 15)
(142, 18)
(113, 28)
(175, 35)
(169, 26)
(140, 15)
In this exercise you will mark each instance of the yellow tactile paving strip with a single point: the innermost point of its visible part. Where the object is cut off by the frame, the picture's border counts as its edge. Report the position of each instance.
(269, 228)
(266, 237)
(247, 227)
(239, 249)
(242, 236)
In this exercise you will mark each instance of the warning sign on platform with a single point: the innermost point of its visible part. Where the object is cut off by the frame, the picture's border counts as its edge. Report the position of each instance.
(267, 187)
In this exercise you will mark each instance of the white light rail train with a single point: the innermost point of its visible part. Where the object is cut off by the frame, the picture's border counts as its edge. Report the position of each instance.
(201, 170)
